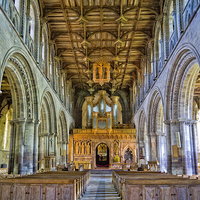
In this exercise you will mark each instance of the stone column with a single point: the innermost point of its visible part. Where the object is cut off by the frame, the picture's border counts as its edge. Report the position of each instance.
(153, 147)
(148, 148)
(35, 146)
(12, 148)
(41, 150)
(19, 145)
(168, 146)
(162, 151)
(46, 137)
(64, 153)
(176, 162)
(51, 143)
(55, 147)
(67, 152)
(28, 141)
(186, 145)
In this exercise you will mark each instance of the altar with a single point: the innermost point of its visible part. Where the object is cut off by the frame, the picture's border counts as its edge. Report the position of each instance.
(103, 141)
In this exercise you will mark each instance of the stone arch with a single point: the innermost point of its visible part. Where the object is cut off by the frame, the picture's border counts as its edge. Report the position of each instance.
(143, 138)
(62, 137)
(156, 129)
(47, 130)
(24, 97)
(156, 98)
(47, 100)
(179, 107)
(186, 58)
(64, 127)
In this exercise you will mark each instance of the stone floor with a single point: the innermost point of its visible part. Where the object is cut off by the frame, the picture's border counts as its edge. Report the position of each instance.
(101, 187)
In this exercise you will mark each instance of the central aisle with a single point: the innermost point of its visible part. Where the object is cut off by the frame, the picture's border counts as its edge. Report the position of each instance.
(101, 187)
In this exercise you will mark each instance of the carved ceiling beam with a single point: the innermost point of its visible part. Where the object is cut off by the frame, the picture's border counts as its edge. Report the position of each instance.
(129, 51)
(90, 9)
(70, 36)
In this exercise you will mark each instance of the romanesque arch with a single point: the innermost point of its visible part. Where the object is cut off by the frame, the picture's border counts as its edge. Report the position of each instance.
(62, 138)
(47, 131)
(156, 129)
(18, 84)
(179, 110)
(143, 139)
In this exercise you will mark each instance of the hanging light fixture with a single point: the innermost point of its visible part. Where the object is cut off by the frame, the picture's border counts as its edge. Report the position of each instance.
(101, 72)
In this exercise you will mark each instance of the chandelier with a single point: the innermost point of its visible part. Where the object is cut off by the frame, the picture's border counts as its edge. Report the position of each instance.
(101, 72)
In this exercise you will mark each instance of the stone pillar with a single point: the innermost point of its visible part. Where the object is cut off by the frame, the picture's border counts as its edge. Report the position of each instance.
(153, 147)
(19, 145)
(46, 136)
(55, 147)
(67, 152)
(35, 146)
(195, 141)
(64, 152)
(51, 143)
(41, 150)
(168, 146)
(186, 145)
(148, 148)
(162, 151)
(12, 148)
(176, 162)
(28, 141)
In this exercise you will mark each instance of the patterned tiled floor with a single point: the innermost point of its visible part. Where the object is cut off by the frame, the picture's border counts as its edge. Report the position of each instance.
(101, 188)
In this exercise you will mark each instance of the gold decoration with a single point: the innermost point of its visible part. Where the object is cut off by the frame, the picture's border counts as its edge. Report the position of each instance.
(101, 67)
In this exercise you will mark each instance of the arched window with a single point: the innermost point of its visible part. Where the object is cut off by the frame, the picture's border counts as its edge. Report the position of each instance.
(171, 19)
(56, 81)
(32, 23)
(50, 67)
(43, 48)
(17, 4)
(159, 45)
(62, 86)
(151, 59)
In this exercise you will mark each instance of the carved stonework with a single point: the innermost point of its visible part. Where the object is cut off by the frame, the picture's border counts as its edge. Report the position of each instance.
(25, 79)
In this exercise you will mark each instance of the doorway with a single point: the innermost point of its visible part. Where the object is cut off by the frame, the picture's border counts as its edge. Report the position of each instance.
(102, 155)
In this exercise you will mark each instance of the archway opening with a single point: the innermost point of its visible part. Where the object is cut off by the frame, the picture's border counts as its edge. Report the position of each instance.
(102, 155)
(6, 115)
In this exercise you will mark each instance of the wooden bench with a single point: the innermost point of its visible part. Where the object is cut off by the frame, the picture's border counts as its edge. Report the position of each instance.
(154, 185)
(45, 186)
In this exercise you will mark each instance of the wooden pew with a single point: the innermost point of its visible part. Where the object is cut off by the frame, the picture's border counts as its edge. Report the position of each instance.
(49, 186)
(145, 185)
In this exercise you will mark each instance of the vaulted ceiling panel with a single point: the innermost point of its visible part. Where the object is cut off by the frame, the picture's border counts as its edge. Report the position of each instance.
(117, 30)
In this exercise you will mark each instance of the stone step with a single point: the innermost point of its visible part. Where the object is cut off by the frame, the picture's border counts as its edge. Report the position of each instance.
(101, 187)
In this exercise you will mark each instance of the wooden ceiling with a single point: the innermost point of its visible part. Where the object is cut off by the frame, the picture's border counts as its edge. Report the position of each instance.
(86, 29)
